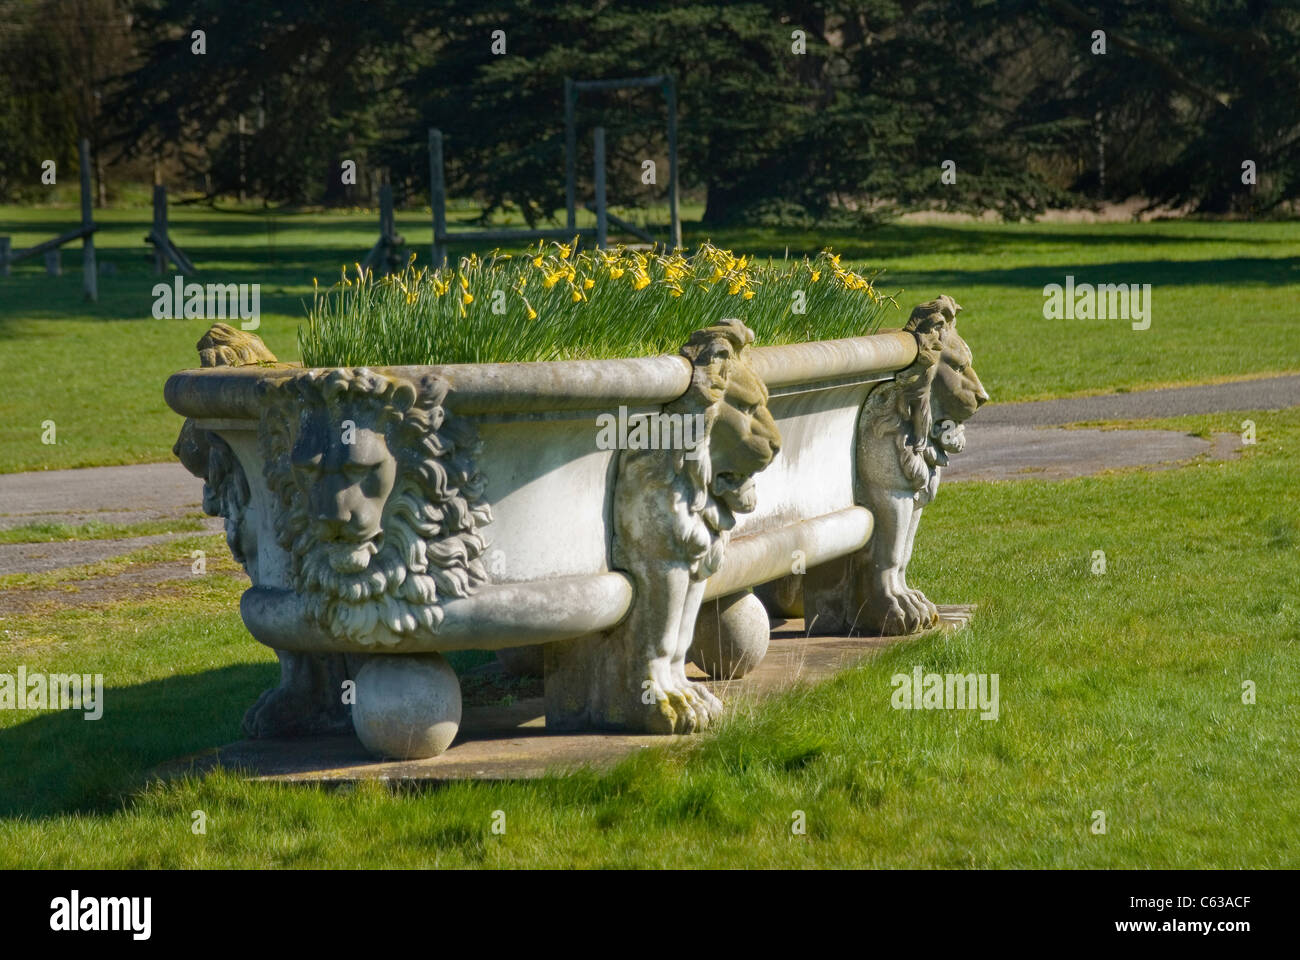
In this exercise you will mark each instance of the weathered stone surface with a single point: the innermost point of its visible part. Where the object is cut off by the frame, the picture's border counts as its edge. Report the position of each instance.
(673, 514)
(783, 597)
(731, 636)
(407, 707)
(907, 430)
(513, 742)
(412, 510)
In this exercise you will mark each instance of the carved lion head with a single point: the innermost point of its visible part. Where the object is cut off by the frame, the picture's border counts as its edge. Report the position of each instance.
(742, 436)
(955, 391)
(379, 499)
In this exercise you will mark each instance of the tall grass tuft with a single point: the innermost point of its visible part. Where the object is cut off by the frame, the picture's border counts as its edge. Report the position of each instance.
(555, 303)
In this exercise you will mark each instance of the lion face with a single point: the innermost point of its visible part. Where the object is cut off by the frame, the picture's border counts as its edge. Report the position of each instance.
(743, 441)
(743, 437)
(379, 500)
(939, 392)
(957, 392)
(346, 474)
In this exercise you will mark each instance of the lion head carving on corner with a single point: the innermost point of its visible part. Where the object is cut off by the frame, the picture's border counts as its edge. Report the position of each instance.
(380, 502)
(741, 438)
(925, 407)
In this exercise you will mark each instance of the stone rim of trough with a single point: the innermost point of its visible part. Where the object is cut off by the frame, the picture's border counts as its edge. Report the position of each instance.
(479, 388)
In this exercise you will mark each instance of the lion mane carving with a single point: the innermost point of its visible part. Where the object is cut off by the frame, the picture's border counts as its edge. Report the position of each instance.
(379, 500)
(907, 431)
(673, 513)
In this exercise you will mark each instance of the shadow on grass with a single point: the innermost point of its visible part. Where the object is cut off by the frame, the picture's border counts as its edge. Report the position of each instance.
(59, 762)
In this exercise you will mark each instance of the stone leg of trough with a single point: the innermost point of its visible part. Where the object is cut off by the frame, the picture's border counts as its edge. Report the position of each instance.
(673, 513)
(907, 430)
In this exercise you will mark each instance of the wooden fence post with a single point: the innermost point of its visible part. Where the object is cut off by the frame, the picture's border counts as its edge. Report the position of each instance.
(570, 154)
(437, 197)
(387, 232)
(386, 211)
(159, 229)
(4, 256)
(601, 224)
(89, 276)
(53, 263)
(670, 94)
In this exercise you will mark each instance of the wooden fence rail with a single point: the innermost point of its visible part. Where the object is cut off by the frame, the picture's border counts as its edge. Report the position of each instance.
(50, 249)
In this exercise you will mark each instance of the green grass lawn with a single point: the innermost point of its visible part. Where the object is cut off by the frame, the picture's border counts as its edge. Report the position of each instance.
(1224, 296)
(46, 532)
(1120, 692)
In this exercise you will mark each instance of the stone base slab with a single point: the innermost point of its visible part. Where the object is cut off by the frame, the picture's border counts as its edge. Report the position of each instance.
(512, 742)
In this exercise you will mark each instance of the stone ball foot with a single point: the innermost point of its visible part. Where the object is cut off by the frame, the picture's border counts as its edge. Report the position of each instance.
(408, 706)
(731, 636)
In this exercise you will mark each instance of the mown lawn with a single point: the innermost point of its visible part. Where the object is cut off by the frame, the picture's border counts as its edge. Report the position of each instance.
(1224, 296)
(1120, 692)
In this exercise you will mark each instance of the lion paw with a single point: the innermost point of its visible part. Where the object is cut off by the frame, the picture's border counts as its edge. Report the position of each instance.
(707, 707)
(672, 706)
(293, 712)
(902, 613)
(927, 611)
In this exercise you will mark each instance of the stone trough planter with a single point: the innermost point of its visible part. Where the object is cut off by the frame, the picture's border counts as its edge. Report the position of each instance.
(589, 510)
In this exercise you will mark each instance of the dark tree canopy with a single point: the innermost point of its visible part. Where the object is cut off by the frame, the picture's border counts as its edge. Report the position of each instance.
(792, 110)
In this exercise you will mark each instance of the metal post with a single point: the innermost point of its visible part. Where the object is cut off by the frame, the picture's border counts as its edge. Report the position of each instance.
(4, 256)
(600, 188)
(570, 154)
(437, 197)
(89, 277)
(160, 229)
(670, 93)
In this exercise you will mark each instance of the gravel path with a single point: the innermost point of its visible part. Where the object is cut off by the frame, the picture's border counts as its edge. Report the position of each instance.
(1012, 441)
(1271, 393)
